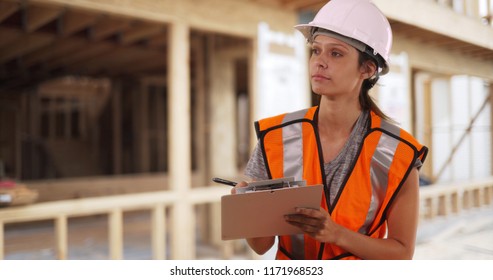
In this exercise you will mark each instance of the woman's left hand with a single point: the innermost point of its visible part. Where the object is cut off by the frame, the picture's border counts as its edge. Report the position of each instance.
(314, 222)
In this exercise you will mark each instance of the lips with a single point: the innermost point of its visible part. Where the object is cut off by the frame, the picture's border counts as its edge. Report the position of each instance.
(319, 77)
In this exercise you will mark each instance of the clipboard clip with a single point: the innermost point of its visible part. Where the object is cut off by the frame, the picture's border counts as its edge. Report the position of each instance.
(271, 185)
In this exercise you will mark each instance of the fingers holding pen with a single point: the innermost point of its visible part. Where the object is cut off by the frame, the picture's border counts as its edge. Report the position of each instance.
(230, 183)
(239, 185)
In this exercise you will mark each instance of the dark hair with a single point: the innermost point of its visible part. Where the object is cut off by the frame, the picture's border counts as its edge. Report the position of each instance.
(365, 100)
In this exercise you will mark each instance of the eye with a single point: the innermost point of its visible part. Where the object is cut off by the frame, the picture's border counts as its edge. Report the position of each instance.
(336, 54)
(315, 51)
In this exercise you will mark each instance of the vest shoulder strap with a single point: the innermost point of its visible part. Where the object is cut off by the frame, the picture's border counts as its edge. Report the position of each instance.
(264, 125)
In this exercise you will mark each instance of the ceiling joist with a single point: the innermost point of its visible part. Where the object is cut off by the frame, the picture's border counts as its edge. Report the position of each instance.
(37, 16)
(7, 9)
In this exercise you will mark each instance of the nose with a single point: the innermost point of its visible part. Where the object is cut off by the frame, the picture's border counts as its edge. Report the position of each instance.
(320, 63)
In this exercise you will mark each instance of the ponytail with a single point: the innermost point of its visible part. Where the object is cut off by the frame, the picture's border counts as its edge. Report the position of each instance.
(365, 100)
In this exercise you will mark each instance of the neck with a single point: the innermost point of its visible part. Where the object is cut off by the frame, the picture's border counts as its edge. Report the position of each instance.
(337, 116)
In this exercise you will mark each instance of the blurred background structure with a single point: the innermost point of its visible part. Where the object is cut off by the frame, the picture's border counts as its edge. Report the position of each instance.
(116, 114)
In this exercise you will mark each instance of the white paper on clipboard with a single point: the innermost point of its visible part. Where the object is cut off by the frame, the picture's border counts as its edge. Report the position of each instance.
(261, 213)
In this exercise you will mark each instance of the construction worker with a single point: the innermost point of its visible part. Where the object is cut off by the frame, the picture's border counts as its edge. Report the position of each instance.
(368, 165)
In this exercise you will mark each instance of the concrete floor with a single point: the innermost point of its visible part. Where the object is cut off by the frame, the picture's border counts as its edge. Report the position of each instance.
(468, 236)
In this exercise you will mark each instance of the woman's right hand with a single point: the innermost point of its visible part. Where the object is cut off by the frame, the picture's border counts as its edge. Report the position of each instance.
(239, 185)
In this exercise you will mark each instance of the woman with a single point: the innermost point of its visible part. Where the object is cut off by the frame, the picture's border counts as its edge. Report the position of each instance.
(369, 166)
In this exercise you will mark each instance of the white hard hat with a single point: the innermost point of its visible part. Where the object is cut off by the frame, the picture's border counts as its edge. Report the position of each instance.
(358, 21)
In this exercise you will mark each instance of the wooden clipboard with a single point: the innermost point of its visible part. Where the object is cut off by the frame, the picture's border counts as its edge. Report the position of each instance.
(261, 213)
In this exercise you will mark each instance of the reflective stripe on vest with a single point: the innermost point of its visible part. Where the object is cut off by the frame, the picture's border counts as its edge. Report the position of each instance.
(291, 148)
(379, 168)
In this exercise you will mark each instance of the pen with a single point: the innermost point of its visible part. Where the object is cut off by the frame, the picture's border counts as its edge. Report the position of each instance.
(224, 181)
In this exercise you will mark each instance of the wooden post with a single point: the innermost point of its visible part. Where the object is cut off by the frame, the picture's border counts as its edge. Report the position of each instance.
(201, 135)
(454, 202)
(158, 233)
(183, 224)
(490, 11)
(467, 199)
(144, 128)
(2, 241)
(472, 8)
(489, 195)
(200, 117)
(67, 105)
(428, 133)
(432, 207)
(442, 205)
(447, 3)
(222, 160)
(116, 234)
(253, 90)
(223, 120)
(34, 130)
(491, 120)
(61, 237)
(160, 132)
(117, 126)
(51, 108)
(477, 195)
(24, 127)
(84, 119)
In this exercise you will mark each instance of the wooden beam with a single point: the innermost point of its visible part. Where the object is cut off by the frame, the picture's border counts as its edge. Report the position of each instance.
(37, 16)
(140, 32)
(84, 54)
(60, 49)
(482, 53)
(448, 22)
(8, 36)
(153, 61)
(434, 59)
(107, 60)
(76, 53)
(141, 61)
(109, 26)
(7, 9)
(25, 45)
(303, 4)
(158, 41)
(75, 21)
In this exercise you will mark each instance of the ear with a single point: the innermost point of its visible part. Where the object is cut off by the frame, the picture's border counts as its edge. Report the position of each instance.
(368, 69)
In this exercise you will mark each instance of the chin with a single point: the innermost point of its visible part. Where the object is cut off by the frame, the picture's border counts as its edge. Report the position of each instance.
(320, 92)
(317, 90)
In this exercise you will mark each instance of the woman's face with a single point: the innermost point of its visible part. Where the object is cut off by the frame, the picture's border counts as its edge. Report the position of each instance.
(334, 68)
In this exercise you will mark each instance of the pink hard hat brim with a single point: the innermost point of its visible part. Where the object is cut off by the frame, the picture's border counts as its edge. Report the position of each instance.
(306, 30)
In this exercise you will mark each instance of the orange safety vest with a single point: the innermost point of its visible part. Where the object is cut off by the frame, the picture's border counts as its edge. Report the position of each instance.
(291, 147)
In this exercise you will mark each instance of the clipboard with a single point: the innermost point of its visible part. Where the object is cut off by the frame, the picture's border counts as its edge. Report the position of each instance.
(261, 213)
